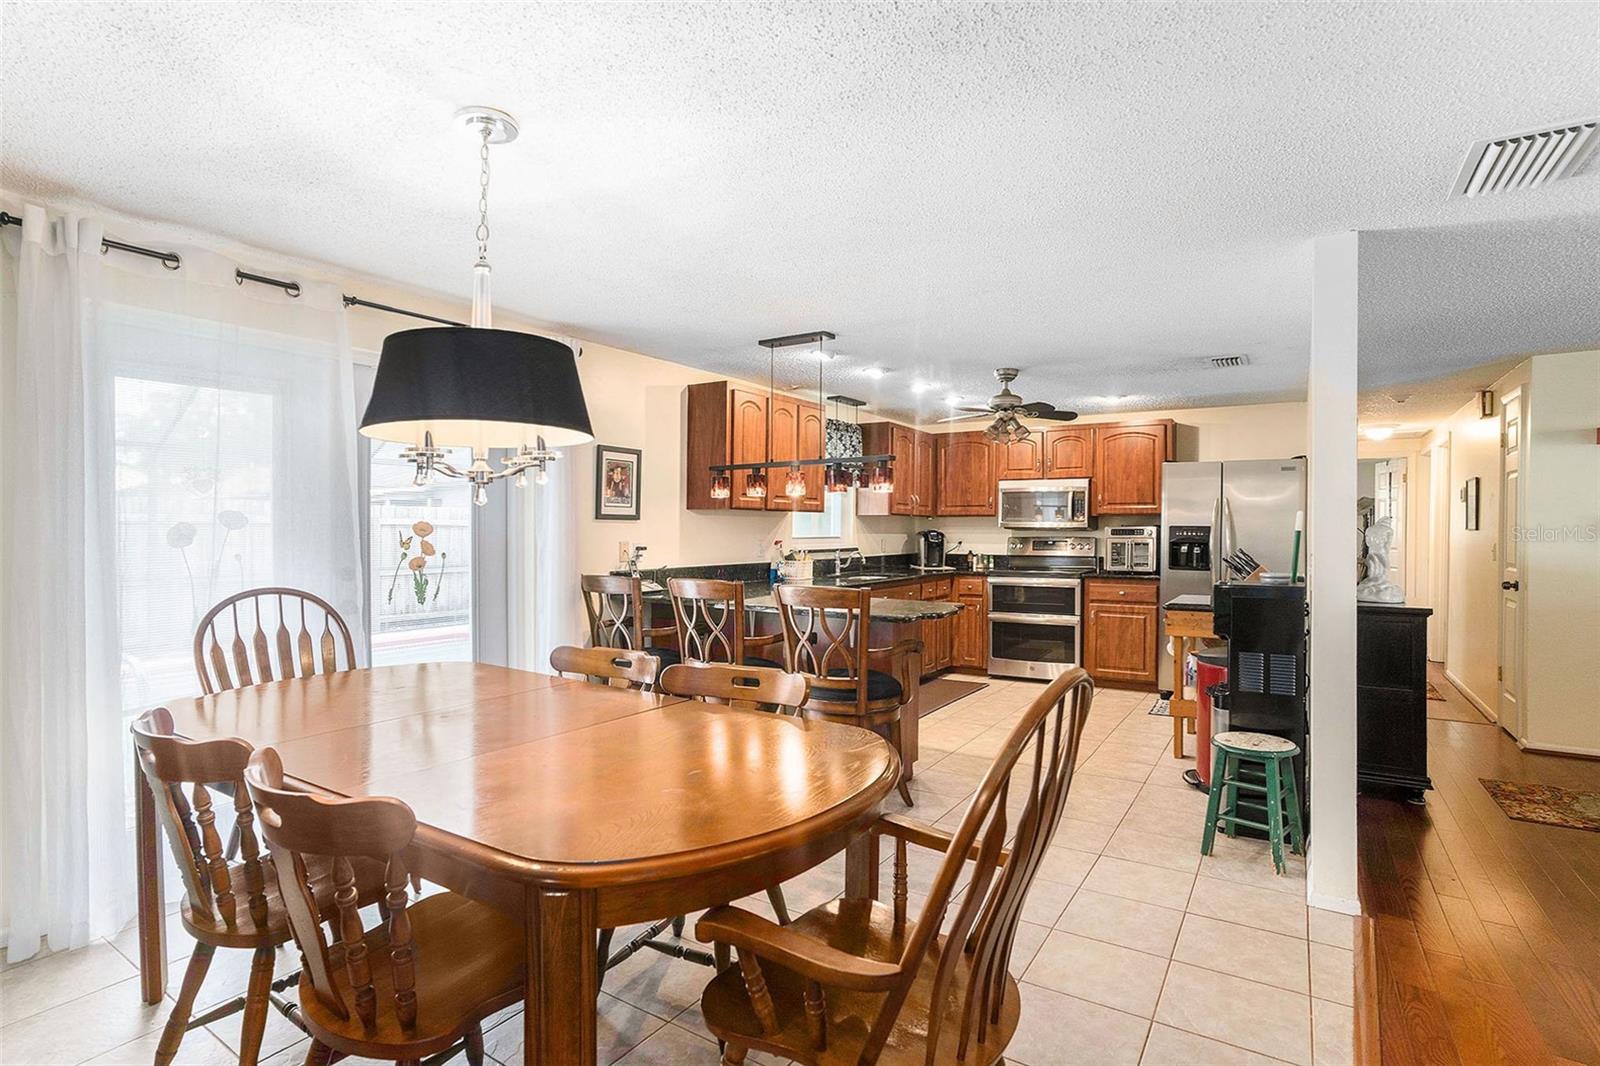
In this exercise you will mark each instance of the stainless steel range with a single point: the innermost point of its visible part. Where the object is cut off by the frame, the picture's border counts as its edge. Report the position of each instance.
(1035, 593)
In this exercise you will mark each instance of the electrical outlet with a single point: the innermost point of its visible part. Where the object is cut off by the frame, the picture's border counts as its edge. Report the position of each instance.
(623, 548)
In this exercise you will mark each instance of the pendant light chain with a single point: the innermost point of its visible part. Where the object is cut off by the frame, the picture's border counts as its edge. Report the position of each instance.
(483, 196)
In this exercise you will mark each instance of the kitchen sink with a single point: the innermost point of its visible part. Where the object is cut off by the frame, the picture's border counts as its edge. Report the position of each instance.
(863, 579)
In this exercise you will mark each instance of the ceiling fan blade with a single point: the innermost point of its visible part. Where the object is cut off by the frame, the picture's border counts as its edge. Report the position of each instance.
(1058, 416)
(1036, 409)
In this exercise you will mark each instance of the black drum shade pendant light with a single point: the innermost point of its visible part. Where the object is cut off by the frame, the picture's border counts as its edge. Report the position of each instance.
(478, 388)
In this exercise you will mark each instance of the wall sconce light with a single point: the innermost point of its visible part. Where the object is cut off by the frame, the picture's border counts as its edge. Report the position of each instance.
(1485, 403)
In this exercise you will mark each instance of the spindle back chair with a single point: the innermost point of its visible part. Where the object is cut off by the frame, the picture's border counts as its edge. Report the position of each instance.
(925, 996)
(607, 666)
(386, 992)
(298, 647)
(710, 617)
(226, 904)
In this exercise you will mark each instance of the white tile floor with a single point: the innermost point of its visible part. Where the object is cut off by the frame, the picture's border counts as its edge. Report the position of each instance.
(1134, 949)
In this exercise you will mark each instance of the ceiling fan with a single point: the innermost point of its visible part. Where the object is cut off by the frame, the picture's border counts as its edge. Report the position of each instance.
(1009, 410)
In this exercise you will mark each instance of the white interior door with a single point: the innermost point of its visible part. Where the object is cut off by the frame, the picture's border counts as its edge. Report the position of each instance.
(1511, 434)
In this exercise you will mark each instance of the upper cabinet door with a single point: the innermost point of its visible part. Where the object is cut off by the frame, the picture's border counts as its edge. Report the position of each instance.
(1127, 467)
(965, 474)
(1020, 459)
(924, 475)
(903, 444)
(747, 438)
(811, 431)
(785, 427)
(1069, 452)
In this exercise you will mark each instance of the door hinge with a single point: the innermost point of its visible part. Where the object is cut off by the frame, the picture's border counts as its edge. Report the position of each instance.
(1499, 673)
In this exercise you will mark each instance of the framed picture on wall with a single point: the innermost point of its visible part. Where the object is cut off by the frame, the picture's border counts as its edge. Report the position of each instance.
(616, 483)
(1469, 497)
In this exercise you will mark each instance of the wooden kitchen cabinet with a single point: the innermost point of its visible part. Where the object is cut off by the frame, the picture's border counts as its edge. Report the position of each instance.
(1126, 478)
(796, 434)
(1020, 459)
(913, 470)
(966, 481)
(938, 634)
(1120, 631)
(728, 423)
(970, 645)
(1069, 452)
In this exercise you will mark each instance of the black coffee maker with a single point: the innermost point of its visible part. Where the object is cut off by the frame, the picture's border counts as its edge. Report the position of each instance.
(930, 549)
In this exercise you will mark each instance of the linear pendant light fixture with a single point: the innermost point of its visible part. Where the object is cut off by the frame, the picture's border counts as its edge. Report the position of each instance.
(837, 477)
(478, 387)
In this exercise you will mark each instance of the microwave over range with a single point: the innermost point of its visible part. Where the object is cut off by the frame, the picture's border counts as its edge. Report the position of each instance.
(1060, 503)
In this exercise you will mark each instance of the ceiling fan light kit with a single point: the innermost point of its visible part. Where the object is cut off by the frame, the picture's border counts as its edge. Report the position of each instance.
(478, 387)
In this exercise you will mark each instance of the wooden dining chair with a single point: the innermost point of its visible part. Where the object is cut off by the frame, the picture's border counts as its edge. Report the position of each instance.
(424, 977)
(607, 666)
(710, 618)
(826, 633)
(751, 687)
(856, 981)
(615, 605)
(307, 635)
(226, 904)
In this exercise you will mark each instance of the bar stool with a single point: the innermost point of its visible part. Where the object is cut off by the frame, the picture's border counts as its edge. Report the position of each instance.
(1233, 771)
(615, 605)
(710, 618)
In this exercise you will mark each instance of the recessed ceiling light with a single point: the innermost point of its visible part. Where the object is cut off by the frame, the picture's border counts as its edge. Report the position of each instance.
(874, 372)
(926, 386)
(821, 356)
(1378, 432)
(953, 400)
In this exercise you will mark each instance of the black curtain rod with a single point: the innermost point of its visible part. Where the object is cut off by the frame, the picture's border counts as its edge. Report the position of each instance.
(172, 261)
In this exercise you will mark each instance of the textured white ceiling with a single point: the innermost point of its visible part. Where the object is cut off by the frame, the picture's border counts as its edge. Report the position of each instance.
(1098, 194)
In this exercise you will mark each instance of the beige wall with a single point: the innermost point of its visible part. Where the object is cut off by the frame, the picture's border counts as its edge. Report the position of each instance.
(1561, 582)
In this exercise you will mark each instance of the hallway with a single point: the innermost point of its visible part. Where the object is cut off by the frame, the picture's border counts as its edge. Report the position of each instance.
(1485, 930)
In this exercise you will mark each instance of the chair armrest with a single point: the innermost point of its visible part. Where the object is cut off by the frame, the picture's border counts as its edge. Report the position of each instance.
(661, 631)
(763, 641)
(924, 835)
(804, 955)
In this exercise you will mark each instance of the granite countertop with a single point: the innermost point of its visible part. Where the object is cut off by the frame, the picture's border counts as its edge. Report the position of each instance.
(1192, 602)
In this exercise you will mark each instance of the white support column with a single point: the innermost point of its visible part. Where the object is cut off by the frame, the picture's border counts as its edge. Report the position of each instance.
(1330, 573)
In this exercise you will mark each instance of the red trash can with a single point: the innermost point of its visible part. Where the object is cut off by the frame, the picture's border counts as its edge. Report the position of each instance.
(1210, 668)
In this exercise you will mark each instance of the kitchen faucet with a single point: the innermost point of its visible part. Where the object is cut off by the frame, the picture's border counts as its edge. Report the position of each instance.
(843, 556)
(634, 557)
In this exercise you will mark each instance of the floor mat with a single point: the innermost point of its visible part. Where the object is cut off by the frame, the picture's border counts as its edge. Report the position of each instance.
(1546, 804)
(1163, 708)
(941, 692)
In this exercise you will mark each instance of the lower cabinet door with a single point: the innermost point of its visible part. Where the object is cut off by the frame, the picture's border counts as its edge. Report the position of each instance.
(1120, 642)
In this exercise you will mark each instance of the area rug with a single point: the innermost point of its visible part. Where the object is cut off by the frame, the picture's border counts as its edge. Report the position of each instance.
(941, 692)
(1434, 693)
(1546, 804)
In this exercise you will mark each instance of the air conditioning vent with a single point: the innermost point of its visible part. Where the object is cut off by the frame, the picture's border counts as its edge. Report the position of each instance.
(1526, 160)
(1227, 362)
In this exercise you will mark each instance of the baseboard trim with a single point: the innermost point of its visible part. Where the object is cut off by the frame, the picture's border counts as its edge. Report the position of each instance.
(1559, 749)
(1339, 904)
(1471, 697)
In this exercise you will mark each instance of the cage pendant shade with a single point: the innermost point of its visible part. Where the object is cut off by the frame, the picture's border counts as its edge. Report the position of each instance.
(477, 388)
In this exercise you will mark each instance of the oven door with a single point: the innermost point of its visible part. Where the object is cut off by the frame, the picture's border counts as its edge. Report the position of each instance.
(1032, 646)
(1055, 597)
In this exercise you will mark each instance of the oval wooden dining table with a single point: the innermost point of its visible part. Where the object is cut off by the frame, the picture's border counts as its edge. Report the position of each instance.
(575, 806)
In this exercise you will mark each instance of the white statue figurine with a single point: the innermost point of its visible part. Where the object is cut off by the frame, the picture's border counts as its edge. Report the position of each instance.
(1376, 587)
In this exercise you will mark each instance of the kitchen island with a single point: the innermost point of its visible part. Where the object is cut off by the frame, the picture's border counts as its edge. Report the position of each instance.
(901, 613)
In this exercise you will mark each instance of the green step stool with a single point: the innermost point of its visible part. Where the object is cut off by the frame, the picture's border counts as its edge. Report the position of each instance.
(1263, 765)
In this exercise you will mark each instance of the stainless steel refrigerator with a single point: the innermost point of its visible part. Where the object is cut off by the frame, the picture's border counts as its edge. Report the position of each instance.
(1208, 510)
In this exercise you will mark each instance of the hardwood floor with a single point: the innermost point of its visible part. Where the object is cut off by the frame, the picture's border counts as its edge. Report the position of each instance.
(1485, 930)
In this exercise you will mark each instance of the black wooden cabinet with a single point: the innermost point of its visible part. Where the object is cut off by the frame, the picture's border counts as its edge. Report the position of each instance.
(1392, 697)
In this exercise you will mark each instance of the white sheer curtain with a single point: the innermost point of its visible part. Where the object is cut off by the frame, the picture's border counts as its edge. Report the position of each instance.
(555, 616)
(171, 437)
